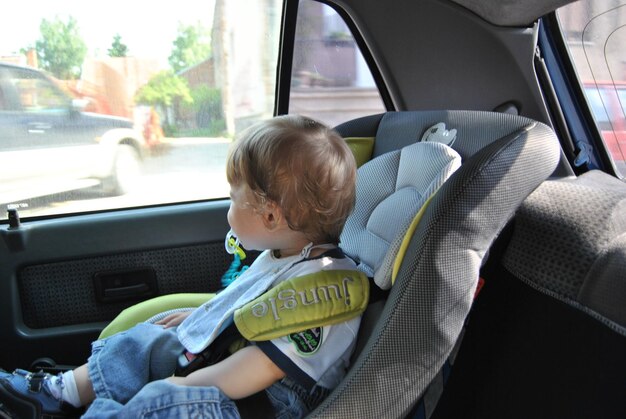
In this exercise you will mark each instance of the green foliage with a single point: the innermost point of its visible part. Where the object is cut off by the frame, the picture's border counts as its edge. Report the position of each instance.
(118, 49)
(339, 36)
(216, 128)
(207, 107)
(208, 100)
(170, 130)
(164, 89)
(61, 50)
(191, 46)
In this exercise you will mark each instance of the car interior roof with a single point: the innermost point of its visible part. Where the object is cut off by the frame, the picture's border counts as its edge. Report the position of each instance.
(511, 12)
(426, 76)
(494, 76)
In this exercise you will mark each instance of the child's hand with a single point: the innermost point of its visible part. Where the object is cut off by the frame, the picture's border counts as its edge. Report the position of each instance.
(174, 319)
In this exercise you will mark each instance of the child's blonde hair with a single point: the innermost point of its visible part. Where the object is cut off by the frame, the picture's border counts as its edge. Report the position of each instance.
(306, 168)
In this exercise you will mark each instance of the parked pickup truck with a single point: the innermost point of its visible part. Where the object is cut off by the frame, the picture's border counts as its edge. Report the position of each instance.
(49, 145)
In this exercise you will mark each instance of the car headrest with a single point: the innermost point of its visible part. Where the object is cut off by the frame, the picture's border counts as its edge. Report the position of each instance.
(393, 130)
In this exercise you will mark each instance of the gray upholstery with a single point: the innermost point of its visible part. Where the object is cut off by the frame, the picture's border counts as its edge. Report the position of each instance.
(512, 12)
(424, 313)
(570, 242)
(390, 190)
(475, 129)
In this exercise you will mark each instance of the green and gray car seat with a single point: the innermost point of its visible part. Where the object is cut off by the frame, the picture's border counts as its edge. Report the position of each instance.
(423, 235)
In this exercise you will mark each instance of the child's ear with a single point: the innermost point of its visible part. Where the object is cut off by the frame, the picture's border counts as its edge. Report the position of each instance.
(272, 216)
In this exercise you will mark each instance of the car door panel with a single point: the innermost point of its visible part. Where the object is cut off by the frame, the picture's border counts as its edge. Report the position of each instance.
(51, 270)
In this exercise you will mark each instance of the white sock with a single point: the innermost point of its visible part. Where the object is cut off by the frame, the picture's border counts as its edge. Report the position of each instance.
(70, 392)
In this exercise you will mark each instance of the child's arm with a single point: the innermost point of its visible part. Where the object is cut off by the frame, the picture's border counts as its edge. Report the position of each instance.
(242, 374)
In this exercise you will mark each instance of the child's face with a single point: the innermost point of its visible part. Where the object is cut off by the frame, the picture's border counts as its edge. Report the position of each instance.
(246, 221)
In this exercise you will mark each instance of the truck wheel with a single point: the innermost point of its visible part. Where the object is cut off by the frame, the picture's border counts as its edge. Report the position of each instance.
(125, 171)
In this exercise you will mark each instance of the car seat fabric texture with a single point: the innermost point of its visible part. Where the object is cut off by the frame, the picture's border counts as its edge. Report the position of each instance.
(390, 190)
(427, 305)
(570, 243)
(550, 320)
(394, 130)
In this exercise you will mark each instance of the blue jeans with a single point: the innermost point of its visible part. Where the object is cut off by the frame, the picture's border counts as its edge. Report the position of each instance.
(127, 371)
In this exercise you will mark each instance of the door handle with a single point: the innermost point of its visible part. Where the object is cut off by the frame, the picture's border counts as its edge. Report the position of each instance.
(123, 285)
(38, 127)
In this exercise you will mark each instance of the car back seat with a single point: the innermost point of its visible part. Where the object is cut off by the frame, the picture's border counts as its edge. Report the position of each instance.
(547, 336)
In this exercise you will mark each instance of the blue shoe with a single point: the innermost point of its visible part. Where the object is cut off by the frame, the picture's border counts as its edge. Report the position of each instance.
(29, 394)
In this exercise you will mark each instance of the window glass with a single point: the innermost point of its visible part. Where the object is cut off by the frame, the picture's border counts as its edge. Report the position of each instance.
(595, 32)
(131, 104)
(36, 94)
(330, 81)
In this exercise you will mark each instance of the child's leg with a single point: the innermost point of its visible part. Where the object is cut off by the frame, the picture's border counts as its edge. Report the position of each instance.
(118, 368)
(121, 365)
(167, 400)
(164, 399)
(83, 385)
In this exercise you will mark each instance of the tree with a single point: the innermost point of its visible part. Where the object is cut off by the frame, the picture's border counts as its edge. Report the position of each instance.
(191, 46)
(118, 49)
(61, 50)
(165, 90)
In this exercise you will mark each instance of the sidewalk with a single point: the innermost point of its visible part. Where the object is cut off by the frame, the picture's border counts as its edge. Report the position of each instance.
(180, 141)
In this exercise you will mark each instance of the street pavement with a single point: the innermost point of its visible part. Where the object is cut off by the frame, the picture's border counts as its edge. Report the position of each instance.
(185, 169)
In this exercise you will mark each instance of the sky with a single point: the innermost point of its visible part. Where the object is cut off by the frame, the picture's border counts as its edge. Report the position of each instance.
(148, 28)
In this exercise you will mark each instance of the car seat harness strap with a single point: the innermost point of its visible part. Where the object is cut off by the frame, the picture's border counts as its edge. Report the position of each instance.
(314, 300)
(300, 303)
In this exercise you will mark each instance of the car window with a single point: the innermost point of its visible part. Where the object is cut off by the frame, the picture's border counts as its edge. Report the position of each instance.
(330, 81)
(36, 93)
(595, 34)
(130, 105)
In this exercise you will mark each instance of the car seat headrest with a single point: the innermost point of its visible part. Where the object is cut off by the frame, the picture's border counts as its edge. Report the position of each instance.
(569, 241)
(390, 190)
(394, 130)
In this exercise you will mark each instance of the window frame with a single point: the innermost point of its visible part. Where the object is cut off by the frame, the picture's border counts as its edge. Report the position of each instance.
(576, 110)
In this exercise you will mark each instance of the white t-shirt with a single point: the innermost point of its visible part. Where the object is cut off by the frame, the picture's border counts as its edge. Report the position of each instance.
(316, 356)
